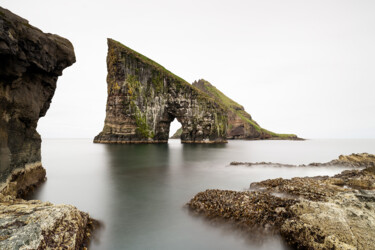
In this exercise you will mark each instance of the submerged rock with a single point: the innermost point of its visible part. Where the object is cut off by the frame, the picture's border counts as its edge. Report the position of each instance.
(144, 98)
(310, 213)
(240, 123)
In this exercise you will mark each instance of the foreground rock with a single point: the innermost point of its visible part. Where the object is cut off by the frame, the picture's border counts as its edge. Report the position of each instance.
(144, 98)
(240, 123)
(30, 63)
(42, 225)
(312, 212)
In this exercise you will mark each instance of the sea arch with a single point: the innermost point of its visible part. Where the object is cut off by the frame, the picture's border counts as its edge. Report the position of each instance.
(144, 98)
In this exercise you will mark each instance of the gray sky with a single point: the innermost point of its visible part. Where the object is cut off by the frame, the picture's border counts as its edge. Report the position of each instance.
(303, 67)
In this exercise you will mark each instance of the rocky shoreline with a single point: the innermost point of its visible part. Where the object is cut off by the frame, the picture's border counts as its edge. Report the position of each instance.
(32, 224)
(351, 161)
(309, 213)
(41, 225)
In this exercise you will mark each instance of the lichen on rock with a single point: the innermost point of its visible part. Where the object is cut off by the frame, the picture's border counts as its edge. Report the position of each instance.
(42, 225)
(144, 98)
(311, 212)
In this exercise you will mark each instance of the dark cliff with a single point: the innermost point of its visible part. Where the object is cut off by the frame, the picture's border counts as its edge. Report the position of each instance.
(30, 63)
(144, 98)
(240, 123)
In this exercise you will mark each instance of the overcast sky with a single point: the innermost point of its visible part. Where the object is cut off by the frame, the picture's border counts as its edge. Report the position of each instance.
(303, 67)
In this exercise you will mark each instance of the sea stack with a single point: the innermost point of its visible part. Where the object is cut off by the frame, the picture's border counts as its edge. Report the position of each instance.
(144, 98)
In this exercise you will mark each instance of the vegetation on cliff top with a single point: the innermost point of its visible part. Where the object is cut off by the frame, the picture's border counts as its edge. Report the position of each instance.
(236, 108)
(178, 81)
(219, 96)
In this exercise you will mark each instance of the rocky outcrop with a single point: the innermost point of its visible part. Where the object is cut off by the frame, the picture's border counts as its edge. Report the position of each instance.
(42, 225)
(144, 98)
(310, 213)
(30, 63)
(240, 123)
(352, 161)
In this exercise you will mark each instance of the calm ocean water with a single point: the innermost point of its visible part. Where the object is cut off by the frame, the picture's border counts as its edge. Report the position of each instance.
(138, 192)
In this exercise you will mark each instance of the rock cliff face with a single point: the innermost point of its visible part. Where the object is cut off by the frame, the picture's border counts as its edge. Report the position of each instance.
(144, 98)
(30, 63)
(310, 213)
(240, 123)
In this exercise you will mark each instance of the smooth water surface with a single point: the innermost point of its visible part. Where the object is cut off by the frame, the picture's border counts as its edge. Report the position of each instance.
(138, 192)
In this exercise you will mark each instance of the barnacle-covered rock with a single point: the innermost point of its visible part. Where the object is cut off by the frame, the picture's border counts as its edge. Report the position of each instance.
(310, 213)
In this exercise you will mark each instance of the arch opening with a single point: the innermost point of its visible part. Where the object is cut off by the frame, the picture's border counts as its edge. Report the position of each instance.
(175, 129)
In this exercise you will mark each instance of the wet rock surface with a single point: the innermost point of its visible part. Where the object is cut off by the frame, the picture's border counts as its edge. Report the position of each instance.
(144, 98)
(310, 213)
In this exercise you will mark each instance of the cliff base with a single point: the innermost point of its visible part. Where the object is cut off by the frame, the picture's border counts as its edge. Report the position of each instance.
(23, 180)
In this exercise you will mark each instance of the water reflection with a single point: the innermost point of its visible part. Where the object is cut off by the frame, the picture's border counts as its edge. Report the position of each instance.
(151, 185)
(136, 172)
(139, 191)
